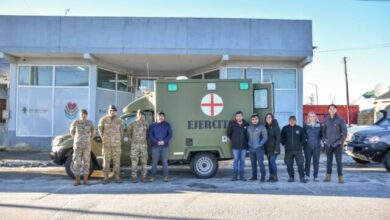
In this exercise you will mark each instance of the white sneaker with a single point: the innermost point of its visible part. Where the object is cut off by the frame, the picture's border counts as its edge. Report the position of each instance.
(316, 179)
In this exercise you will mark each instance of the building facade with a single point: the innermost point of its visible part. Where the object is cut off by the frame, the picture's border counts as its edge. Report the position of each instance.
(58, 65)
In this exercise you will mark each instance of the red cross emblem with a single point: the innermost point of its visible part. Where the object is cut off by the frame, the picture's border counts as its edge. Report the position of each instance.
(211, 104)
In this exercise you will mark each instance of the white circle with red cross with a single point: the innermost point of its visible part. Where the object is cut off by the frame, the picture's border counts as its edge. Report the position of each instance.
(211, 104)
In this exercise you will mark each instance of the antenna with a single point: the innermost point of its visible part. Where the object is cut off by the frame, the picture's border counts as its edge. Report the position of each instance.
(66, 11)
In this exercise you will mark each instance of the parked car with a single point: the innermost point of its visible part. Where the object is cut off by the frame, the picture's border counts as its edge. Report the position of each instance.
(383, 121)
(371, 144)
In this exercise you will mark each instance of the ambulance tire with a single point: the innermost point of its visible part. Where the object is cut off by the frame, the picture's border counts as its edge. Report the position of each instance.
(70, 170)
(204, 165)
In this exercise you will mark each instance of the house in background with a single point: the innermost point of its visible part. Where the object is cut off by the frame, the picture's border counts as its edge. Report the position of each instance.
(371, 103)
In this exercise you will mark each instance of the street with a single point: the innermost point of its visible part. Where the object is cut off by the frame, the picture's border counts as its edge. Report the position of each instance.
(47, 193)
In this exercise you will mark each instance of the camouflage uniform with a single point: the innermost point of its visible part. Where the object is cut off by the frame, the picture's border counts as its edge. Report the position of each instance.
(139, 147)
(81, 131)
(111, 131)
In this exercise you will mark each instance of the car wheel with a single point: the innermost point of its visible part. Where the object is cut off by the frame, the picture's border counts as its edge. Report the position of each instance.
(204, 165)
(387, 161)
(70, 170)
(360, 161)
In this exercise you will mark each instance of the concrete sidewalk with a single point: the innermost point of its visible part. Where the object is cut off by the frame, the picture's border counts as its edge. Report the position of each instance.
(42, 159)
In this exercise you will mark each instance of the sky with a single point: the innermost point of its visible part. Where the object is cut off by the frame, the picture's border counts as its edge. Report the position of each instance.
(356, 29)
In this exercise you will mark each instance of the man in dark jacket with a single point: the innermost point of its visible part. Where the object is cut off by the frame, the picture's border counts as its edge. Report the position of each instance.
(293, 139)
(257, 137)
(237, 134)
(334, 134)
(159, 134)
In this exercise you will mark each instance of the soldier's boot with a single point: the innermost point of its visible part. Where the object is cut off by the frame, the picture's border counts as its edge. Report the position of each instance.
(85, 180)
(327, 178)
(105, 178)
(166, 179)
(143, 179)
(152, 179)
(341, 179)
(77, 180)
(134, 179)
(117, 179)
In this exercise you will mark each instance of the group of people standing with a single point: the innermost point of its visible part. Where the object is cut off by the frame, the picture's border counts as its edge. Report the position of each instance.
(111, 129)
(302, 145)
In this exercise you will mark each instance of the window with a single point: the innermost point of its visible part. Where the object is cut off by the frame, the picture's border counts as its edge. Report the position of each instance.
(261, 98)
(253, 74)
(235, 73)
(282, 78)
(122, 83)
(72, 76)
(197, 76)
(212, 74)
(36, 75)
(146, 83)
(106, 79)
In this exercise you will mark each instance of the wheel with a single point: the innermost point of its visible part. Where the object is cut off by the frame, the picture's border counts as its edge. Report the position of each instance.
(357, 160)
(69, 167)
(204, 165)
(387, 161)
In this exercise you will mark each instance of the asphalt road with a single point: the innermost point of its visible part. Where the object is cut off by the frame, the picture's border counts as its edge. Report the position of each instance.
(47, 193)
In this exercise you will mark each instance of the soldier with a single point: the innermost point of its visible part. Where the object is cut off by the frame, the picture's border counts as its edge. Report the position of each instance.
(82, 131)
(139, 147)
(111, 131)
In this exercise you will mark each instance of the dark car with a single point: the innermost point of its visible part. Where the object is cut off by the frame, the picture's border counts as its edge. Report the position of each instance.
(372, 145)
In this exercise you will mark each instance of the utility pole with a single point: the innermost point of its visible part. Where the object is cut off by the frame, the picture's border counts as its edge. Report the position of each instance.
(347, 90)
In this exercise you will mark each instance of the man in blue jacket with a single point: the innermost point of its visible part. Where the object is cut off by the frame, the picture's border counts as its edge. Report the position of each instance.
(257, 137)
(159, 134)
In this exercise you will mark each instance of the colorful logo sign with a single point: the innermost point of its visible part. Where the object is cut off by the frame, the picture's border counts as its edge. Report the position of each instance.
(211, 104)
(71, 110)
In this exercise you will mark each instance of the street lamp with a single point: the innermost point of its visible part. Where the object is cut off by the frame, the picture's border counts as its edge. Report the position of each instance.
(316, 86)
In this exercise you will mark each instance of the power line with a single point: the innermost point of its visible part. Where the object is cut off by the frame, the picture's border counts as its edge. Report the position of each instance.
(372, 47)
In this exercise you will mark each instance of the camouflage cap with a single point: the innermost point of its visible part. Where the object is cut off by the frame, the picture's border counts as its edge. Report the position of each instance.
(139, 111)
(112, 107)
(84, 111)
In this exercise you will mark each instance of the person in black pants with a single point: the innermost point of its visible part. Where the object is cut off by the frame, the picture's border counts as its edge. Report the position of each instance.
(313, 134)
(272, 146)
(334, 134)
(293, 139)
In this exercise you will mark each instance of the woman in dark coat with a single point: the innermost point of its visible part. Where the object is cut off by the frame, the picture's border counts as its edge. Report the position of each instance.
(272, 147)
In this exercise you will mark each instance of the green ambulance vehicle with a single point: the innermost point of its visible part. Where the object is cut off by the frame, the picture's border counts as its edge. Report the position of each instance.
(198, 111)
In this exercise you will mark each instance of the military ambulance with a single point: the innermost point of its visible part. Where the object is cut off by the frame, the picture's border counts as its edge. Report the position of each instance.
(199, 112)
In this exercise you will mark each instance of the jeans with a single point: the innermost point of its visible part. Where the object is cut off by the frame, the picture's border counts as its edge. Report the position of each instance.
(273, 170)
(257, 157)
(337, 151)
(239, 161)
(314, 153)
(157, 154)
(290, 156)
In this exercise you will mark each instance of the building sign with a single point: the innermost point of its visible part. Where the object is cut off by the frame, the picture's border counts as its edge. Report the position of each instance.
(34, 115)
(211, 105)
(71, 110)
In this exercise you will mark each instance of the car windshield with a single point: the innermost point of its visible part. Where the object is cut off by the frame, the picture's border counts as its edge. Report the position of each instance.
(385, 122)
(128, 120)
